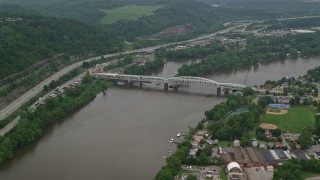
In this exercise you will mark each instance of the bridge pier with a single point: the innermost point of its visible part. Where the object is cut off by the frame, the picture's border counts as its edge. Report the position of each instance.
(140, 84)
(226, 91)
(130, 84)
(219, 91)
(175, 88)
(166, 87)
(126, 82)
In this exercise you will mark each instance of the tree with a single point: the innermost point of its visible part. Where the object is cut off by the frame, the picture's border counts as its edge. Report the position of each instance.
(191, 177)
(207, 150)
(305, 101)
(288, 171)
(315, 103)
(202, 159)
(164, 174)
(292, 102)
(264, 101)
(248, 91)
(46, 88)
(317, 125)
(245, 140)
(305, 138)
(276, 132)
(297, 100)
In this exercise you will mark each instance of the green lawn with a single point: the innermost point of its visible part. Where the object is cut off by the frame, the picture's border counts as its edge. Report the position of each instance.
(306, 175)
(127, 13)
(296, 119)
(223, 174)
(224, 143)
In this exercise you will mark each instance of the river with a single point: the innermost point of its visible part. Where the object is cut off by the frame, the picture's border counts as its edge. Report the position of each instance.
(124, 133)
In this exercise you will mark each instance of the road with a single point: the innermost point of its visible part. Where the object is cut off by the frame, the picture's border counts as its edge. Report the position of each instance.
(9, 126)
(7, 111)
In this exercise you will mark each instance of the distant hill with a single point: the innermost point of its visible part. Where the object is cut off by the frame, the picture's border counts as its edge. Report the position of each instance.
(284, 8)
(200, 15)
(87, 11)
(28, 39)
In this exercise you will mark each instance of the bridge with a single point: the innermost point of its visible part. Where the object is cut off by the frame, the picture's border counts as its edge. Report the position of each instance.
(174, 82)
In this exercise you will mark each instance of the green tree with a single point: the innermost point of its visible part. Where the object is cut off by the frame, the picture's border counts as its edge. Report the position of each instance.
(191, 177)
(305, 138)
(297, 100)
(264, 101)
(288, 171)
(164, 174)
(305, 101)
(248, 91)
(276, 132)
(315, 103)
(292, 101)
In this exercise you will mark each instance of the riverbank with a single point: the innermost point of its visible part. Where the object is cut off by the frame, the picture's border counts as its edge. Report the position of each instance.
(32, 124)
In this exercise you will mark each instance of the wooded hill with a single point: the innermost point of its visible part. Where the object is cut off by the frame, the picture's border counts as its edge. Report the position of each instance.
(32, 38)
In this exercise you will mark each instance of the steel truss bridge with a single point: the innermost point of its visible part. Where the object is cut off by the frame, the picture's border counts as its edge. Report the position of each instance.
(180, 80)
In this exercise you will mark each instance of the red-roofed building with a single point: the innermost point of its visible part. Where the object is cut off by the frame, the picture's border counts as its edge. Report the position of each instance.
(268, 86)
(278, 144)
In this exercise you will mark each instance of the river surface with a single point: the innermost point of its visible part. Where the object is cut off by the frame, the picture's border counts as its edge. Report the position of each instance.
(124, 133)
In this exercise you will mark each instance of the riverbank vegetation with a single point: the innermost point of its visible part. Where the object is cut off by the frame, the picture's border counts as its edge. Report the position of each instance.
(258, 50)
(222, 127)
(148, 67)
(32, 124)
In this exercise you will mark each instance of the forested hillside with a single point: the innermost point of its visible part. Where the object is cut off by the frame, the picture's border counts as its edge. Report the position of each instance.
(31, 38)
(87, 11)
(181, 12)
(286, 8)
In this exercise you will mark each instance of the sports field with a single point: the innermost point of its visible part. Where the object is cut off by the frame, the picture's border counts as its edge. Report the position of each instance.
(296, 119)
(127, 13)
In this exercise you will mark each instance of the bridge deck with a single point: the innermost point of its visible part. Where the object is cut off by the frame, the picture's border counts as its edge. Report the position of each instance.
(180, 80)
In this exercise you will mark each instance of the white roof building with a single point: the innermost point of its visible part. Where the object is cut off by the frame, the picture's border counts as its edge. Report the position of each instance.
(234, 167)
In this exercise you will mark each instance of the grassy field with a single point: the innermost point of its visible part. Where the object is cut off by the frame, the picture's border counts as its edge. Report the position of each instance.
(127, 13)
(224, 143)
(306, 175)
(296, 119)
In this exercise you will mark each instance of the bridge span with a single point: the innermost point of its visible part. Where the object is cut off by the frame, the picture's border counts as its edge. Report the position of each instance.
(174, 82)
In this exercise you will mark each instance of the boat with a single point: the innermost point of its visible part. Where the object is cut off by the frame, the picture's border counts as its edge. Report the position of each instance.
(172, 140)
(178, 135)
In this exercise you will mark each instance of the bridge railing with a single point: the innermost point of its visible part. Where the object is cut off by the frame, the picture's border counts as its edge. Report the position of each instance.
(182, 80)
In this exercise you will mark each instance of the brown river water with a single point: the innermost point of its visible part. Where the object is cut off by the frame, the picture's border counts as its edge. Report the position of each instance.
(124, 133)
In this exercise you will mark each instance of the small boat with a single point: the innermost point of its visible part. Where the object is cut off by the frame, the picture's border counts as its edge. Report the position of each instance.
(178, 135)
(172, 140)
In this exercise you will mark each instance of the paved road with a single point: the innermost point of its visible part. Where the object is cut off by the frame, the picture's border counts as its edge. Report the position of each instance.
(37, 89)
(9, 126)
(303, 17)
(7, 111)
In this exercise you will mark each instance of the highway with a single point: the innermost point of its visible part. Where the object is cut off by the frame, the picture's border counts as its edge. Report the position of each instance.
(9, 126)
(7, 111)
(15, 105)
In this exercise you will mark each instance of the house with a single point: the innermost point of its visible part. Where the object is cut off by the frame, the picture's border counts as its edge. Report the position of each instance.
(254, 143)
(291, 136)
(270, 144)
(263, 145)
(193, 152)
(236, 143)
(298, 146)
(278, 144)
